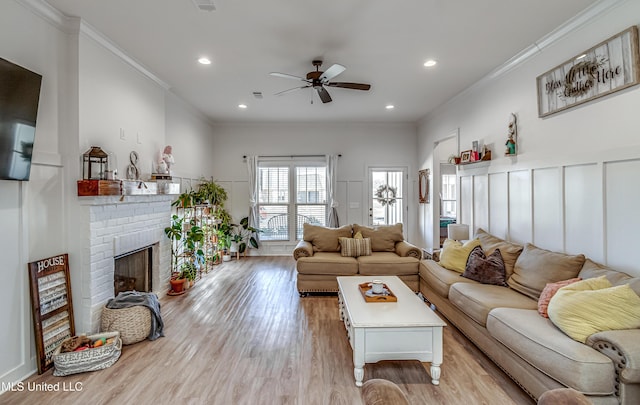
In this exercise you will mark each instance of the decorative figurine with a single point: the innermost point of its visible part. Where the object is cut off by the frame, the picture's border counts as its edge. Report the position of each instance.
(167, 160)
(513, 133)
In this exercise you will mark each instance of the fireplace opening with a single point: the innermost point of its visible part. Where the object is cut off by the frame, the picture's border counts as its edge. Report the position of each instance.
(133, 271)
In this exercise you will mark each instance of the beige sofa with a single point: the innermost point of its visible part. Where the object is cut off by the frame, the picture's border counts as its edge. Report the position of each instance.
(505, 324)
(319, 257)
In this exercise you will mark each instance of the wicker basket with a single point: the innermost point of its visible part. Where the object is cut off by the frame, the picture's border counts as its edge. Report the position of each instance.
(134, 323)
(95, 359)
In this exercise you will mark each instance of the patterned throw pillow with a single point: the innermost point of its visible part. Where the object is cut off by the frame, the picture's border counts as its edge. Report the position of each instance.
(486, 269)
(549, 291)
(351, 247)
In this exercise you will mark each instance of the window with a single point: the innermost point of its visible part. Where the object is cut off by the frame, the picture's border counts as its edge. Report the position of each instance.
(448, 192)
(282, 215)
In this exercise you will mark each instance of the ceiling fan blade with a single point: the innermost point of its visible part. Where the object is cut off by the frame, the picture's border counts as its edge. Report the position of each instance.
(291, 90)
(332, 72)
(324, 94)
(288, 76)
(346, 85)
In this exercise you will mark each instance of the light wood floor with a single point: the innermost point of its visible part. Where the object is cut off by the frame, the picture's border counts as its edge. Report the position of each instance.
(243, 336)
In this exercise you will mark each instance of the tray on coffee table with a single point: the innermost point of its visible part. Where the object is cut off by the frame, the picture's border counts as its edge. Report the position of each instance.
(390, 297)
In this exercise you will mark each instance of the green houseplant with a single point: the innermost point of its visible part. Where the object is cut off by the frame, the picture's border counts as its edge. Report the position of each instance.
(212, 192)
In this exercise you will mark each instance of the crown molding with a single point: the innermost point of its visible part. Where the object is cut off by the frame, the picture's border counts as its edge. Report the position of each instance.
(75, 25)
(579, 20)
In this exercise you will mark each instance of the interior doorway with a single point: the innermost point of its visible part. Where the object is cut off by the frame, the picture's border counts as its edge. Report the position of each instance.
(445, 187)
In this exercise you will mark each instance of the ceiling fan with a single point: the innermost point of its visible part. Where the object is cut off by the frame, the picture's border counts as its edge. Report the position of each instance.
(318, 80)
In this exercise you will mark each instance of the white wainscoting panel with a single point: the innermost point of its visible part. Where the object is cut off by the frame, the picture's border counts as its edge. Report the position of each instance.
(357, 209)
(547, 208)
(481, 202)
(622, 233)
(466, 195)
(583, 211)
(498, 205)
(520, 226)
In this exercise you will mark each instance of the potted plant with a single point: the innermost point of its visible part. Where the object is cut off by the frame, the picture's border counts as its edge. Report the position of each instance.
(212, 192)
(245, 235)
(174, 233)
(188, 272)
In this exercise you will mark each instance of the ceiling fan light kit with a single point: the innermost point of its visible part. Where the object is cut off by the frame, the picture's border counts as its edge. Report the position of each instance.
(318, 80)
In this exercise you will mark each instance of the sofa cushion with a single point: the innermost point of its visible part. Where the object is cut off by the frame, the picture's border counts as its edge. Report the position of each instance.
(354, 247)
(509, 251)
(593, 305)
(477, 300)
(536, 267)
(327, 263)
(542, 345)
(440, 279)
(387, 264)
(325, 239)
(549, 291)
(383, 238)
(454, 254)
(485, 269)
(591, 269)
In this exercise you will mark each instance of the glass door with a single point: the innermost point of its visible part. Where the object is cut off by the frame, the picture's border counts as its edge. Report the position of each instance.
(387, 196)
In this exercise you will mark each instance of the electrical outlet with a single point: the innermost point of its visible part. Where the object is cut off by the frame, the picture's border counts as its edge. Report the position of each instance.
(122, 135)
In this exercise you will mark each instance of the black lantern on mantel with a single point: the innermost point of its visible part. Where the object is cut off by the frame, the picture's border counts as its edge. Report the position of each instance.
(94, 164)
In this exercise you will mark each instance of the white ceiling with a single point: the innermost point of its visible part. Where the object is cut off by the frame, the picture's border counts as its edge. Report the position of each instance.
(381, 42)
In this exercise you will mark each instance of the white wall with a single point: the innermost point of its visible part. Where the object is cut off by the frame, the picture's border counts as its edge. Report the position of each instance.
(572, 186)
(361, 146)
(88, 93)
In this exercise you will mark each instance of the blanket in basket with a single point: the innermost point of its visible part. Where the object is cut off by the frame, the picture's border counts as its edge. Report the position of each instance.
(127, 299)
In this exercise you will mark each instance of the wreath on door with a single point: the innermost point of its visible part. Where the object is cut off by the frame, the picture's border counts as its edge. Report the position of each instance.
(386, 194)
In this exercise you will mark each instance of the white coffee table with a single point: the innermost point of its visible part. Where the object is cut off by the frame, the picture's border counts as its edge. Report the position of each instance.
(402, 330)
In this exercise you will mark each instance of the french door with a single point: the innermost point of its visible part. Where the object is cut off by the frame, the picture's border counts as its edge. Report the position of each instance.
(387, 195)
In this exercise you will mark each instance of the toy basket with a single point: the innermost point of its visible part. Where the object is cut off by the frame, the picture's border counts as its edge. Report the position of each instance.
(133, 323)
(94, 359)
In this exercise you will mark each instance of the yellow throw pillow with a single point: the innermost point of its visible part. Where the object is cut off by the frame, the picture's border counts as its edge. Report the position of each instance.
(593, 305)
(358, 235)
(454, 254)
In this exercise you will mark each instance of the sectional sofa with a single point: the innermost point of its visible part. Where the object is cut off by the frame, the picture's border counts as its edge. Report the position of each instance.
(504, 321)
(326, 253)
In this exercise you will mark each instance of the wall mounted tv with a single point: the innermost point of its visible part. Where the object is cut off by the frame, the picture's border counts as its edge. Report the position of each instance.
(19, 95)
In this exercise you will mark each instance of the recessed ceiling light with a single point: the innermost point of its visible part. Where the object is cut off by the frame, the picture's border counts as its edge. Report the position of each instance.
(204, 61)
(430, 63)
(243, 106)
(390, 107)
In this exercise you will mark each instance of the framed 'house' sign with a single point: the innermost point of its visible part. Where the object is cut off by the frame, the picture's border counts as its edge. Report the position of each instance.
(608, 67)
(52, 306)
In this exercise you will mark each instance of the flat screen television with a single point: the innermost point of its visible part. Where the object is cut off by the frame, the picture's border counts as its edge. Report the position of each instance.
(19, 96)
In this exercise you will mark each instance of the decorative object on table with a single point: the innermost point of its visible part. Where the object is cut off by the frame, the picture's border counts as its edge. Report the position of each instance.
(475, 152)
(513, 136)
(454, 160)
(486, 154)
(369, 296)
(51, 305)
(94, 164)
(102, 352)
(132, 170)
(465, 156)
(386, 194)
(423, 186)
(610, 66)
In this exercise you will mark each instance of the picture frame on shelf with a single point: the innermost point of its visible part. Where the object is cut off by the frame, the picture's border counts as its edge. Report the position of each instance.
(465, 156)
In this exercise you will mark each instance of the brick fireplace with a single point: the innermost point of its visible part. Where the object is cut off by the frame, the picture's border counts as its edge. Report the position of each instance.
(118, 226)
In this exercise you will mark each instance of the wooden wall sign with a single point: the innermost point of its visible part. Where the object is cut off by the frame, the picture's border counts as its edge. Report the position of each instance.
(52, 306)
(610, 66)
